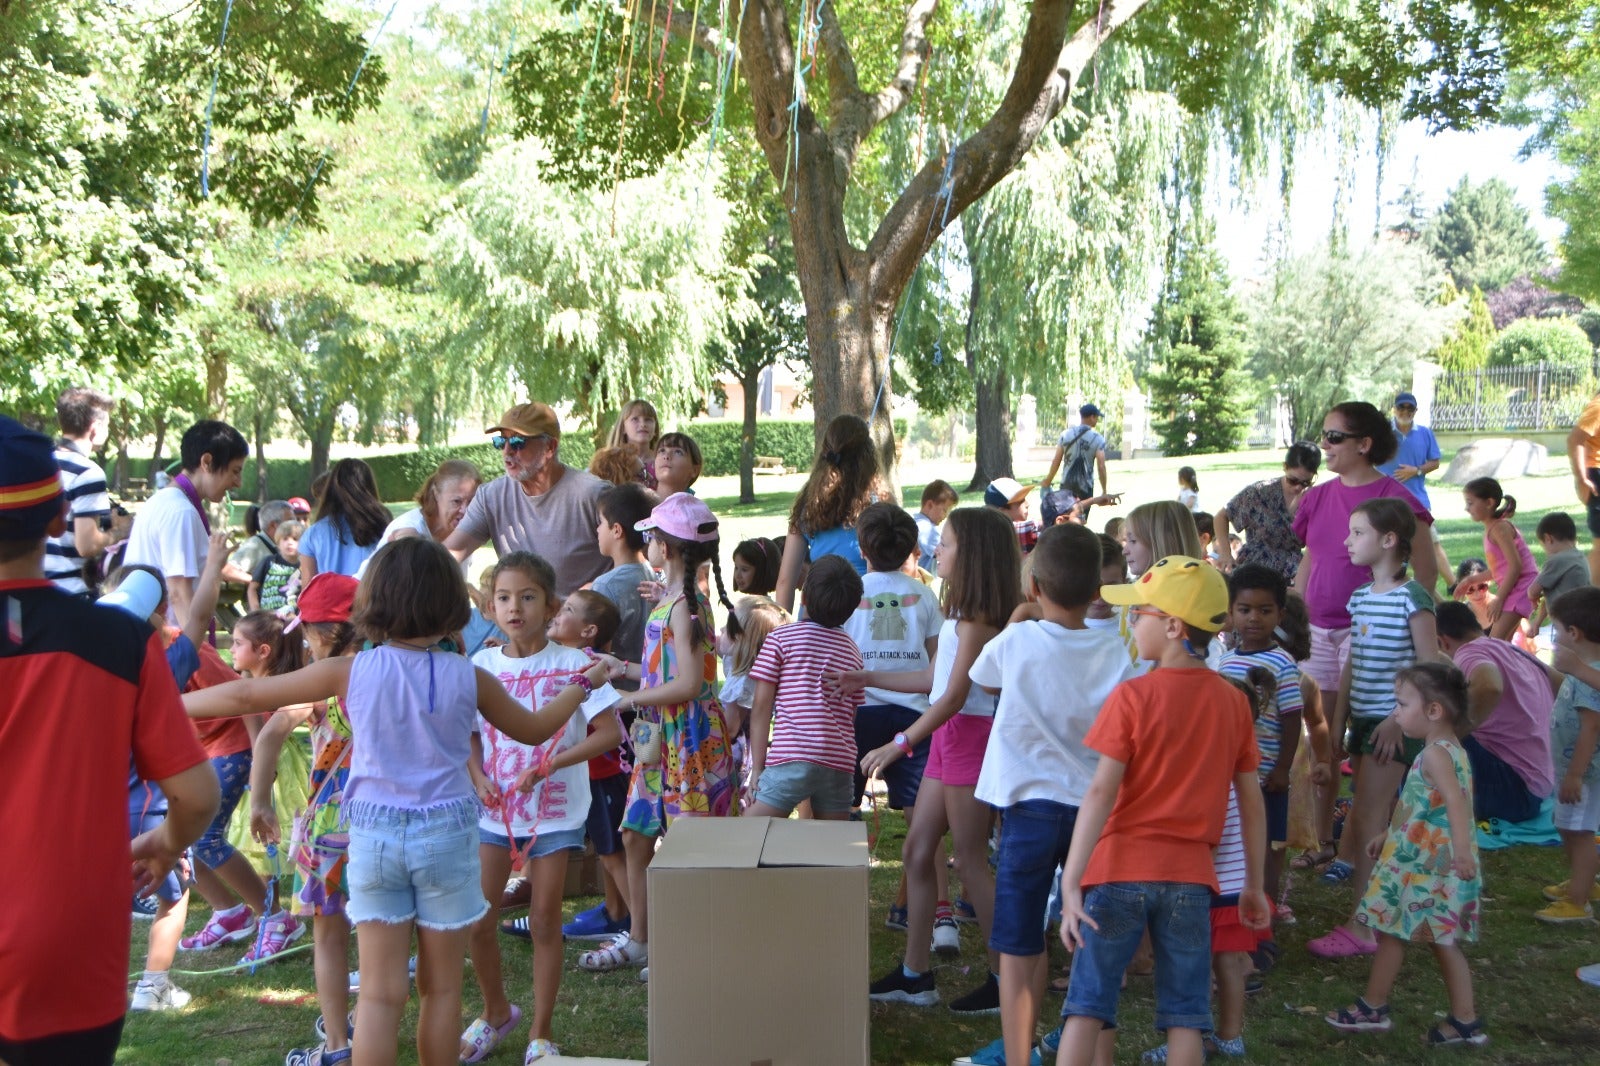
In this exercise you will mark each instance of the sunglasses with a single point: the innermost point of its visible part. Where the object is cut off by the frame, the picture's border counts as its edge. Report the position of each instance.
(1336, 436)
(1303, 482)
(1148, 613)
(515, 444)
(1405, 407)
(1470, 589)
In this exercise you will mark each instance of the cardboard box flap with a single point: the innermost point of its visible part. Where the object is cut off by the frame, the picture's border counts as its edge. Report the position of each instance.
(712, 843)
(795, 842)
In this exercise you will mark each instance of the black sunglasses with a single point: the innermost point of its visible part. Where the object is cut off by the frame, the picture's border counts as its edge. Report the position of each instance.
(513, 444)
(1405, 407)
(1303, 482)
(1336, 436)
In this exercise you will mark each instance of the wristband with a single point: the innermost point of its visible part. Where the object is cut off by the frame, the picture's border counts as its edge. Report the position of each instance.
(903, 744)
(582, 681)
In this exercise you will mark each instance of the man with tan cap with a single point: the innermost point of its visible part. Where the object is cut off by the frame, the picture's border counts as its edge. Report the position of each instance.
(540, 506)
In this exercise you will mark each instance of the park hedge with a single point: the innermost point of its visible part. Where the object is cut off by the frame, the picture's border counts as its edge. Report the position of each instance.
(400, 474)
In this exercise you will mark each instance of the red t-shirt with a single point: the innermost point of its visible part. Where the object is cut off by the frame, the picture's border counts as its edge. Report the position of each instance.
(810, 722)
(1182, 734)
(218, 736)
(85, 688)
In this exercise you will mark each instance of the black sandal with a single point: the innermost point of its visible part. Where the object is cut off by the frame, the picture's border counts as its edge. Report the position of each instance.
(1361, 1018)
(1462, 1033)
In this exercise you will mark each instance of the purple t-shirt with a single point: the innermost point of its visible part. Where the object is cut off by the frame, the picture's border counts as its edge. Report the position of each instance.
(1322, 523)
(1518, 729)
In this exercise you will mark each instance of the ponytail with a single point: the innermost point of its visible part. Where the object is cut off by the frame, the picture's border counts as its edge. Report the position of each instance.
(1487, 488)
(1391, 516)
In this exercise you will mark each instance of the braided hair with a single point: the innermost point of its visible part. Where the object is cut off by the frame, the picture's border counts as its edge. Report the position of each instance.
(695, 552)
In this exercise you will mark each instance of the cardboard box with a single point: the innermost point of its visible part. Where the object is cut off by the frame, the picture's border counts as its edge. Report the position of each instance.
(758, 944)
(583, 874)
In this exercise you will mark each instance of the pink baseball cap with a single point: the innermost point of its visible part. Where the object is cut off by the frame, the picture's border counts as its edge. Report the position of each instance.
(683, 516)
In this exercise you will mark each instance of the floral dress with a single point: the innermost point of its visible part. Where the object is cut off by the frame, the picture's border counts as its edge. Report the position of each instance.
(321, 834)
(695, 774)
(1414, 894)
(1261, 513)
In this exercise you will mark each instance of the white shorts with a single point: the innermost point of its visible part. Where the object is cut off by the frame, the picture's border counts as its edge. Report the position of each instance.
(1583, 816)
(1330, 650)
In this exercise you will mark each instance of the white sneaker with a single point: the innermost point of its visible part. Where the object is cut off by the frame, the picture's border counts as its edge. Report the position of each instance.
(1590, 975)
(355, 976)
(946, 937)
(166, 997)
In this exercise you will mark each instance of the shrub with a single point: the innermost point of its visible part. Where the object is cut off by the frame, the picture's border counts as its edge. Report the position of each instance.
(1530, 341)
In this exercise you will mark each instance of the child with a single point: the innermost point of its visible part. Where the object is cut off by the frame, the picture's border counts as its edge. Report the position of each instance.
(350, 526)
(274, 584)
(1472, 588)
(677, 464)
(1113, 571)
(1575, 747)
(620, 466)
(1008, 496)
(621, 509)
(691, 774)
(535, 799)
(1257, 596)
(638, 429)
(1154, 531)
(844, 481)
(1052, 674)
(1169, 742)
(811, 727)
(1114, 527)
(1509, 559)
(982, 573)
(937, 499)
(1565, 567)
(1204, 527)
(1189, 488)
(1391, 627)
(413, 812)
(755, 566)
(752, 621)
(1425, 887)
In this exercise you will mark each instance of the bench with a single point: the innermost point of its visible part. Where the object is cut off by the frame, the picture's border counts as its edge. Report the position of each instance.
(769, 464)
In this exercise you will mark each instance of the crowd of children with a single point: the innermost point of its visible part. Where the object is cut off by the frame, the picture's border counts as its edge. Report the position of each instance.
(1107, 728)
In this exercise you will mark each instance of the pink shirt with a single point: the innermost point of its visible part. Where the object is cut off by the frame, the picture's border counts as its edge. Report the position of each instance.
(810, 722)
(1322, 522)
(1518, 729)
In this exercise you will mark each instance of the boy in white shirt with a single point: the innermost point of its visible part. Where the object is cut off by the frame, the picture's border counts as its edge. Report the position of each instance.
(1052, 673)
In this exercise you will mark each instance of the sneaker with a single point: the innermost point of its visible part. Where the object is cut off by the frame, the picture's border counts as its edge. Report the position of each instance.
(355, 976)
(1050, 1043)
(896, 987)
(225, 927)
(1337, 872)
(994, 1054)
(594, 924)
(1551, 892)
(165, 996)
(317, 1056)
(277, 933)
(1590, 975)
(1565, 912)
(321, 1027)
(1228, 1049)
(644, 975)
(985, 999)
(964, 912)
(946, 937)
(517, 895)
(144, 908)
(896, 918)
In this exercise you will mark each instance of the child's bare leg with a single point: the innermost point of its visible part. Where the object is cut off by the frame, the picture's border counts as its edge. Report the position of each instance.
(639, 849)
(330, 934)
(614, 872)
(215, 891)
(385, 950)
(1230, 969)
(1503, 628)
(970, 823)
(803, 809)
(1457, 981)
(1184, 1047)
(483, 942)
(165, 932)
(1385, 968)
(547, 874)
(1021, 991)
(243, 881)
(1582, 860)
(440, 953)
(1105, 1049)
(1273, 871)
(922, 851)
(1376, 789)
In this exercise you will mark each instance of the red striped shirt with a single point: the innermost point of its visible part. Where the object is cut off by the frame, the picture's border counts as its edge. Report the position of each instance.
(810, 723)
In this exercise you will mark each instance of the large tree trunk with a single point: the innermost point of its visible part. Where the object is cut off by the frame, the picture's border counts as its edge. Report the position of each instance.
(751, 382)
(991, 389)
(155, 456)
(216, 383)
(321, 445)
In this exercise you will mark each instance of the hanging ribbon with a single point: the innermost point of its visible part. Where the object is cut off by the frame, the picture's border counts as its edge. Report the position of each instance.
(216, 71)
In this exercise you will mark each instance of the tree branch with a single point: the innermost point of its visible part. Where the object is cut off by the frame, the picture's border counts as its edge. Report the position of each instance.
(913, 55)
(844, 87)
(683, 24)
(853, 115)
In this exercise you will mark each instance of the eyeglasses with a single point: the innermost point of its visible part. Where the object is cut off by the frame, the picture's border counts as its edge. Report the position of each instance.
(648, 536)
(516, 444)
(1336, 436)
(1405, 407)
(1303, 482)
(1145, 612)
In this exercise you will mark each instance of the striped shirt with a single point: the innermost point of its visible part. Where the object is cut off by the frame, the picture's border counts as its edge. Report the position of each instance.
(1229, 858)
(1380, 643)
(810, 722)
(1269, 728)
(84, 485)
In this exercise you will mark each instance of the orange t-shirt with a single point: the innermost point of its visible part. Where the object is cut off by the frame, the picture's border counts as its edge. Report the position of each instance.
(1589, 424)
(1182, 734)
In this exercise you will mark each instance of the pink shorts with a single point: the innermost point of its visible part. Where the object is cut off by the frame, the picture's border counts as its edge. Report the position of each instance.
(1330, 650)
(956, 755)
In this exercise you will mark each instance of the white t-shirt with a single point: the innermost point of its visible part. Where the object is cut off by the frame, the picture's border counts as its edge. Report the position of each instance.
(897, 617)
(169, 535)
(417, 522)
(979, 702)
(1052, 681)
(561, 801)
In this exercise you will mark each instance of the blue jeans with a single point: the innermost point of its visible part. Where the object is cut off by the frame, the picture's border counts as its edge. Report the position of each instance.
(1498, 791)
(1034, 838)
(1179, 919)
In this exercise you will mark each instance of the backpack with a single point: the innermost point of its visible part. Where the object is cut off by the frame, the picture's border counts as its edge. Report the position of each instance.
(1078, 478)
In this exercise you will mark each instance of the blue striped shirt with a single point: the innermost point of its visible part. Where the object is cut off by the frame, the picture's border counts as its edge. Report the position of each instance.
(1380, 643)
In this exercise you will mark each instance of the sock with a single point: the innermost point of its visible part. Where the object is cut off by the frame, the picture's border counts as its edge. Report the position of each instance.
(155, 979)
(910, 974)
(942, 909)
(234, 912)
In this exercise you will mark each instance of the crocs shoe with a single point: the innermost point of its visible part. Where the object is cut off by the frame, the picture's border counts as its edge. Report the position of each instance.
(277, 933)
(595, 924)
(225, 927)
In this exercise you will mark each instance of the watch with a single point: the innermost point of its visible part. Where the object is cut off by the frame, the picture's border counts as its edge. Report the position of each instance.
(903, 744)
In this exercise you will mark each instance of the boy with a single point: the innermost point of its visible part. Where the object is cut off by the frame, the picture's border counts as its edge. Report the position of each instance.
(1005, 494)
(677, 464)
(1053, 674)
(1205, 525)
(274, 584)
(1575, 750)
(896, 627)
(811, 726)
(71, 670)
(1170, 742)
(1256, 599)
(937, 499)
(1564, 568)
(620, 508)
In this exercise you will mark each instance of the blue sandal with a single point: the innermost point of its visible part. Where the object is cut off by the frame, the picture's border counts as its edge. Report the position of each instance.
(1337, 873)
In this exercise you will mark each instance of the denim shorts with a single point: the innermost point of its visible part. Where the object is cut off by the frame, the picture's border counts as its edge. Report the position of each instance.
(410, 865)
(233, 775)
(170, 887)
(1034, 838)
(785, 785)
(543, 844)
(1179, 919)
(876, 725)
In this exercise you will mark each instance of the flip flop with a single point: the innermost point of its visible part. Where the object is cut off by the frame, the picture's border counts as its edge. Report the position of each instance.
(1339, 944)
(484, 1038)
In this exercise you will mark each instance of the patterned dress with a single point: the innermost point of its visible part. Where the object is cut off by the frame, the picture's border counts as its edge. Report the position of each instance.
(1414, 895)
(695, 775)
(321, 834)
(1261, 513)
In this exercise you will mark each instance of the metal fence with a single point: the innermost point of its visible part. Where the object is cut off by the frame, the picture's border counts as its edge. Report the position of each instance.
(1540, 397)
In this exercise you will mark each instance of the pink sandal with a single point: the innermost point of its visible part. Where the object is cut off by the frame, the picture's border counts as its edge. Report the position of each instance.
(1340, 944)
(483, 1038)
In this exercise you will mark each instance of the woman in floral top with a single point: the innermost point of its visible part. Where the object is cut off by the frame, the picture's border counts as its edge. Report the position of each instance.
(1264, 512)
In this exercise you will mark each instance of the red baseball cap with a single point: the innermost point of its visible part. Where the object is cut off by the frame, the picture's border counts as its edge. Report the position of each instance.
(327, 598)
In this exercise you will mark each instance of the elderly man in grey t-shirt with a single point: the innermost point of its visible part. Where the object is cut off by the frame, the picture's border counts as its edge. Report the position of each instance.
(540, 506)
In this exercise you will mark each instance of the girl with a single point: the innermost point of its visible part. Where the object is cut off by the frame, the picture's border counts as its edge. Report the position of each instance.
(677, 464)
(981, 566)
(1155, 531)
(1391, 626)
(1509, 559)
(677, 713)
(410, 801)
(844, 481)
(350, 525)
(752, 619)
(1188, 488)
(1426, 885)
(536, 800)
(638, 428)
(1472, 588)
(755, 566)
(1311, 773)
